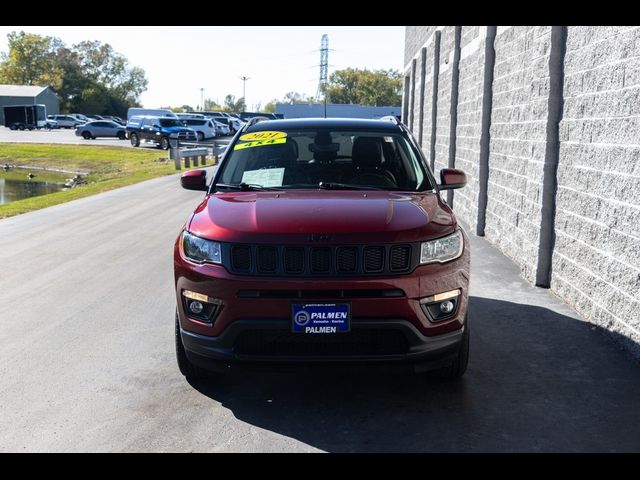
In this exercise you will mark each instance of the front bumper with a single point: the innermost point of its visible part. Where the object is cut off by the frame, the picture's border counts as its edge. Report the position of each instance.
(422, 353)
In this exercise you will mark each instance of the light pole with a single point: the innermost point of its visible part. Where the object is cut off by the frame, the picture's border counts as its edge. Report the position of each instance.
(202, 99)
(244, 84)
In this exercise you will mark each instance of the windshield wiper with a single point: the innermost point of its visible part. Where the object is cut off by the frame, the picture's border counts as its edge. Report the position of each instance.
(345, 186)
(243, 187)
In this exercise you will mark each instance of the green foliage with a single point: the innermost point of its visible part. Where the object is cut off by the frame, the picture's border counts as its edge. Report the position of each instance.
(89, 77)
(365, 87)
(210, 104)
(233, 105)
(270, 107)
(31, 60)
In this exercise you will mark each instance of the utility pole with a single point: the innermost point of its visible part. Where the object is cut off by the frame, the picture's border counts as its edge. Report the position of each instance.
(244, 85)
(202, 99)
(324, 65)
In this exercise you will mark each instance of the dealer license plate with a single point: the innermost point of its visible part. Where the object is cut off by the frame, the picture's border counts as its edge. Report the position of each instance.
(320, 318)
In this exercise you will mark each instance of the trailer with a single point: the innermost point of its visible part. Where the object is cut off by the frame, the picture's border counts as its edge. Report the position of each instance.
(20, 117)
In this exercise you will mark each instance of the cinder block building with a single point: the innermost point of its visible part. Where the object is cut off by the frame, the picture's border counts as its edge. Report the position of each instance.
(545, 121)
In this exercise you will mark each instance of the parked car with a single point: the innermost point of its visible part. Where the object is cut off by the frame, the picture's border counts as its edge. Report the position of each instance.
(222, 130)
(101, 128)
(65, 121)
(204, 127)
(158, 112)
(81, 117)
(322, 240)
(50, 125)
(157, 130)
(115, 119)
(233, 123)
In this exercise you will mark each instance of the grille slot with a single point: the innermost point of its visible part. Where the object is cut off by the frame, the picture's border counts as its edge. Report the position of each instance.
(347, 259)
(373, 259)
(400, 258)
(267, 259)
(365, 341)
(293, 260)
(241, 257)
(320, 259)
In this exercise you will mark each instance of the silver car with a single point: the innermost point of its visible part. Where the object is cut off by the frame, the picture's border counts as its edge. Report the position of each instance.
(65, 121)
(101, 128)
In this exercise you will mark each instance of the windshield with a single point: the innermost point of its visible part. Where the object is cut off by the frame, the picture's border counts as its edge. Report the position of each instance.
(169, 122)
(331, 158)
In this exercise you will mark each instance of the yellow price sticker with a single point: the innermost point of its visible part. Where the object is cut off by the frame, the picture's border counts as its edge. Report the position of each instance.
(262, 136)
(259, 143)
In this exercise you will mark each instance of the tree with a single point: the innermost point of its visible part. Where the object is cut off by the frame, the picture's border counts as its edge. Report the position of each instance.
(296, 97)
(89, 77)
(31, 60)
(210, 104)
(270, 107)
(365, 87)
(233, 105)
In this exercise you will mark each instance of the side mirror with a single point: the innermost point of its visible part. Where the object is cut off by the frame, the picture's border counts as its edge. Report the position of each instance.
(452, 178)
(194, 180)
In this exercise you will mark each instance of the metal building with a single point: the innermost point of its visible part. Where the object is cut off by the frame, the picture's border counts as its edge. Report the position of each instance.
(28, 95)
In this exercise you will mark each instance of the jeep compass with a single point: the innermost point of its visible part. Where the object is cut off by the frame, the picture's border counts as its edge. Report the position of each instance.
(322, 240)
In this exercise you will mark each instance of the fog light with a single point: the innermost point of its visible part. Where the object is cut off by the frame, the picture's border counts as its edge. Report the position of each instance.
(196, 307)
(447, 307)
(441, 306)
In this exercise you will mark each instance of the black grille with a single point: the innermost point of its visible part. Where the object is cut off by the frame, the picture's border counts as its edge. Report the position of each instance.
(373, 259)
(320, 260)
(293, 259)
(241, 257)
(317, 260)
(267, 259)
(400, 257)
(346, 259)
(365, 341)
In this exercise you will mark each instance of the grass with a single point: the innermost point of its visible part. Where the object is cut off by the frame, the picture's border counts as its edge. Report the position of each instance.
(106, 168)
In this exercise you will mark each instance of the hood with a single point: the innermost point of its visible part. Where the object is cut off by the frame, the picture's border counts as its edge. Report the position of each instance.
(339, 216)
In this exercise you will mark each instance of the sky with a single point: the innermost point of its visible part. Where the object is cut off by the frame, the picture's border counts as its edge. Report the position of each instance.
(180, 61)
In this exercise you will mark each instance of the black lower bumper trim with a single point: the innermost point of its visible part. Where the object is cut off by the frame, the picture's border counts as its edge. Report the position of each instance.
(232, 348)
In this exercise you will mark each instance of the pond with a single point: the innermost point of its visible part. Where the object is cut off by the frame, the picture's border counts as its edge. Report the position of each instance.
(12, 188)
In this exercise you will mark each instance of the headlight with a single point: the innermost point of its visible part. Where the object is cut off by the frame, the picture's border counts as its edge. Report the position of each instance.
(200, 250)
(443, 249)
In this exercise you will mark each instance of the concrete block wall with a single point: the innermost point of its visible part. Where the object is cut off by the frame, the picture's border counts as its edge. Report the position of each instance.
(445, 81)
(567, 160)
(518, 138)
(469, 121)
(596, 260)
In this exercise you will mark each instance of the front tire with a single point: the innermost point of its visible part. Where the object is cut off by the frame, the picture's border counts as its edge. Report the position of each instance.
(86, 135)
(164, 143)
(458, 366)
(122, 136)
(135, 141)
(188, 369)
(200, 136)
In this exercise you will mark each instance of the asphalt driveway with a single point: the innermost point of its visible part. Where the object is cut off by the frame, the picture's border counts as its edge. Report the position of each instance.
(87, 360)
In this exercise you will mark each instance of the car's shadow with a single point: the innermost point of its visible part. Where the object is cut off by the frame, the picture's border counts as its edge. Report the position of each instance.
(537, 381)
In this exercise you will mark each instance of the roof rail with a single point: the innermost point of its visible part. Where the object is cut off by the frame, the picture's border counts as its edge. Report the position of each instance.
(390, 118)
(253, 120)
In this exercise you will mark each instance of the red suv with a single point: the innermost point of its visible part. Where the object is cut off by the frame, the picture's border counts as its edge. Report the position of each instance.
(322, 240)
